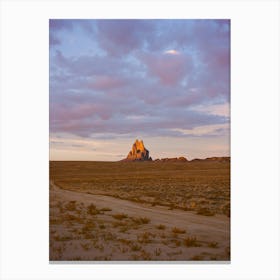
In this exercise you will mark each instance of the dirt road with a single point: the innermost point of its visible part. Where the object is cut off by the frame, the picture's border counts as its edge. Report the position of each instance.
(215, 228)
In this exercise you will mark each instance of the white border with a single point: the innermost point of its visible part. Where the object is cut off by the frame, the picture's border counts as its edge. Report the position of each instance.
(254, 142)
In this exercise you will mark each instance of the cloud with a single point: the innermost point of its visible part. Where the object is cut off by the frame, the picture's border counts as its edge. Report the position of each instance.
(70, 24)
(156, 78)
(104, 82)
(53, 40)
(125, 117)
(59, 24)
(88, 65)
(215, 109)
(205, 130)
(120, 37)
(170, 69)
(172, 52)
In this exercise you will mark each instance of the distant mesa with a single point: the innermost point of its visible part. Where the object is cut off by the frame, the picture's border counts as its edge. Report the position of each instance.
(176, 159)
(138, 152)
(220, 159)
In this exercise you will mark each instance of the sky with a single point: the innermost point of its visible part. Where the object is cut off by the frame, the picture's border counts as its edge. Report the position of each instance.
(114, 81)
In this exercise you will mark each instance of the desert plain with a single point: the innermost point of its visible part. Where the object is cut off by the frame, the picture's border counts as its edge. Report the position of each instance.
(139, 211)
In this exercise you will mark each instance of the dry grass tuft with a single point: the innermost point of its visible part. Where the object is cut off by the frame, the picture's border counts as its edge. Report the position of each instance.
(120, 216)
(157, 251)
(176, 242)
(71, 205)
(88, 226)
(62, 238)
(145, 237)
(205, 212)
(104, 209)
(124, 228)
(178, 230)
(86, 246)
(141, 220)
(146, 256)
(92, 210)
(118, 224)
(191, 242)
(213, 245)
(135, 247)
(125, 241)
(72, 218)
(160, 226)
(102, 226)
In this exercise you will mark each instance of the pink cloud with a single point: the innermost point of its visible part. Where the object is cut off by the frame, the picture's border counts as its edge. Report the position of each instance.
(145, 76)
(104, 82)
(62, 113)
(170, 69)
(119, 37)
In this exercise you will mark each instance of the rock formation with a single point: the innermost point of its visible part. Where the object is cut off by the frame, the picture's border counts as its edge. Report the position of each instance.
(179, 159)
(219, 159)
(138, 152)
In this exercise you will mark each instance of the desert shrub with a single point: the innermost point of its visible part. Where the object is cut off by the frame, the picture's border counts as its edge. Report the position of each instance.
(105, 209)
(124, 228)
(205, 212)
(135, 247)
(123, 249)
(145, 255)
(88, 226)
(191, 242)
(160, 226)
(165, 242)
(71, 205)
(176, 242)
(92, 210)
(55, 221)
(86, 246)
(109, 236)
(72, 218)
(99, 246)
(102, 226)
(141, 220)
(125, 241)
(213, 245)
(157, 251)
(144, 237)
(120, 216)
(178, 230)
(62, 238)
(118, 224)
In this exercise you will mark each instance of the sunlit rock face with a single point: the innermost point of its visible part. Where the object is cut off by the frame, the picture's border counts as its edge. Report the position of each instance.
(138, 152)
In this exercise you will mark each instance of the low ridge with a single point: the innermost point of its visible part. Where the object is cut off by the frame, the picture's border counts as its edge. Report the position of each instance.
(140, 153)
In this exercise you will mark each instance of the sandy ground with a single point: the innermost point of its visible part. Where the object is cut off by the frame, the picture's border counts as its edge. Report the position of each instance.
(115, 229)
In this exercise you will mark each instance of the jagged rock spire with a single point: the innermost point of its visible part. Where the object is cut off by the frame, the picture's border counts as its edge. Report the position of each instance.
(138, 152)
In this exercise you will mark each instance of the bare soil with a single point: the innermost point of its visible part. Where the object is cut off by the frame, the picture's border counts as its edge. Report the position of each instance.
(91, 222)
